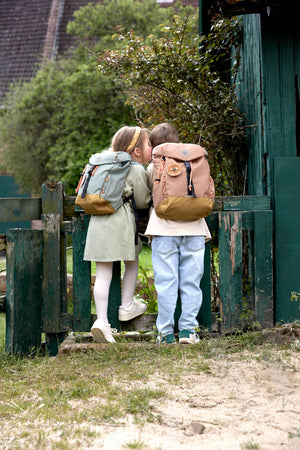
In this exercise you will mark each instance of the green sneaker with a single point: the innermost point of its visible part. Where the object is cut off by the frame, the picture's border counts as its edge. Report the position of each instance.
(188, 337)
(168, 339)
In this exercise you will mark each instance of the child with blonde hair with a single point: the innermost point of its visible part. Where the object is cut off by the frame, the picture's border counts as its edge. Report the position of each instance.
(112, 237)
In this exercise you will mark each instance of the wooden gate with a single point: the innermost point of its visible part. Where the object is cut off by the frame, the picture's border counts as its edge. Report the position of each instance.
(37, 278)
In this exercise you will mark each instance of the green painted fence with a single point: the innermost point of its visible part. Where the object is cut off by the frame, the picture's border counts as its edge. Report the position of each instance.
(37, 280)
(8, 188)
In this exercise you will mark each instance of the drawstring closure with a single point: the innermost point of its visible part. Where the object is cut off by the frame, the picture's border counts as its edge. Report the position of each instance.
(191, 174)
(190, 186)
(160, 169)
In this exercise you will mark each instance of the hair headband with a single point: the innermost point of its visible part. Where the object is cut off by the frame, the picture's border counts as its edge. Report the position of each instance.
(134, 140)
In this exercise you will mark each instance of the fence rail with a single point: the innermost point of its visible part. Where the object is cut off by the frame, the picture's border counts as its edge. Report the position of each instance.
(237, 287)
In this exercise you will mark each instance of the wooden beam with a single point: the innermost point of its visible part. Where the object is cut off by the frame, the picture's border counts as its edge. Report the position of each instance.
(20, 209)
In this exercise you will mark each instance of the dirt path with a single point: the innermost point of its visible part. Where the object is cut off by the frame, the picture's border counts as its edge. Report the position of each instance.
(242, 404)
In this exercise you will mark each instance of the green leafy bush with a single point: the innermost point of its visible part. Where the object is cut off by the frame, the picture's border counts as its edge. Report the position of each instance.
(187, 80)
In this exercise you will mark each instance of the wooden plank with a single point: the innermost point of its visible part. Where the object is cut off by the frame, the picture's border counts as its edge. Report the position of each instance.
(63, 274)
(279, 88)
(214, 221)
(81, 276)
(51, 281)
(53, 261)
(230, 257)
(69, 206)
(66, 322)
(9, 189)
(271, 89)
(247, 203)
(242, 203)
(263, 268)
(23, 291)
(53, 341)
(297, 55)
(251, 101)
(20, 209)
(146, 322)
(66, 227)
(287, 237)
(287, 90)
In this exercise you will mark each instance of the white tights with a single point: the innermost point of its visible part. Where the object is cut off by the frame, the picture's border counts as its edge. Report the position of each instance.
(102, 285)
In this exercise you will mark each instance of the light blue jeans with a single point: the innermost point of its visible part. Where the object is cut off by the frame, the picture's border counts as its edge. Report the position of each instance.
(178, 265)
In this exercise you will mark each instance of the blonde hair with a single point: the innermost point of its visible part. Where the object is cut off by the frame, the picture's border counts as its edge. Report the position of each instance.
(127, 139)
(164, 132)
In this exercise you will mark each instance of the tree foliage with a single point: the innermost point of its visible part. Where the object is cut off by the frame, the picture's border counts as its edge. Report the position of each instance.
(52, 124)
(189, 81)
(95, 24)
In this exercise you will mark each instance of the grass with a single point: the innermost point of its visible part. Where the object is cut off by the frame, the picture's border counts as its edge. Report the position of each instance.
(250, 445)
(59, 402)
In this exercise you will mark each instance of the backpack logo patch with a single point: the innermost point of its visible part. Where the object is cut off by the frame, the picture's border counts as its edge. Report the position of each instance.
(174, 170)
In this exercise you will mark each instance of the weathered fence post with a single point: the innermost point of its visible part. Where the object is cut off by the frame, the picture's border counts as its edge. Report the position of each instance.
(230, 249)
(54, 256)
(23, 290)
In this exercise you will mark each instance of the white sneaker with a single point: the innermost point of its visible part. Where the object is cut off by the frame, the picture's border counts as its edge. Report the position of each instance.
(102, 332)
(188, 337)
(136, 309)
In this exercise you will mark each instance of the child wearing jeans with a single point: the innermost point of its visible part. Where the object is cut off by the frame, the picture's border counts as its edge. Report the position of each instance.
(112, 237)
(178, 261)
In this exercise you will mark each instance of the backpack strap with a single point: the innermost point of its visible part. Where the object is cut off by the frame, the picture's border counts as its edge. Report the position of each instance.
(125, 200)
(87, 180)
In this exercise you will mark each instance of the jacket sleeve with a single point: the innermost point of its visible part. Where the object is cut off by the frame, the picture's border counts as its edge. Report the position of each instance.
(141, 190)
(150, 173)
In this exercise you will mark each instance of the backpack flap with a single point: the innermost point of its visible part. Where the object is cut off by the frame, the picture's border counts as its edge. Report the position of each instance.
(182, 152)
(182, 186)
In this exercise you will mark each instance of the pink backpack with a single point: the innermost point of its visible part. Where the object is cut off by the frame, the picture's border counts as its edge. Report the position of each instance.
(182, 186)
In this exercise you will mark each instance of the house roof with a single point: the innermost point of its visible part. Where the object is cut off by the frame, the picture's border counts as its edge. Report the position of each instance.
(23, 27)
(31, 30)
